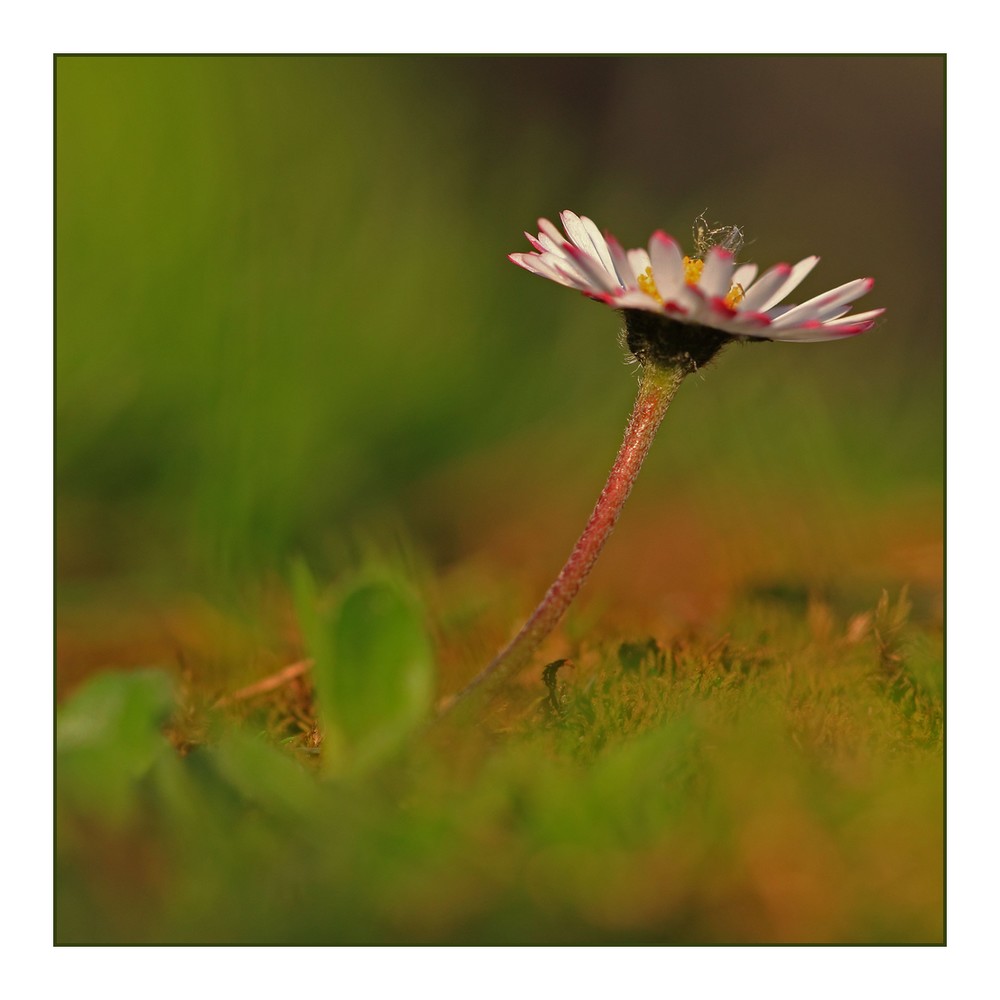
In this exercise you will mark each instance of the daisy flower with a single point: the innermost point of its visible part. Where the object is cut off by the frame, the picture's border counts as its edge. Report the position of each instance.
(680, 311)
(709, 289)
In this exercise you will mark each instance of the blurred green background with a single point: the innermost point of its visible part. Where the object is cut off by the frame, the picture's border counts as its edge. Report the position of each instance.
(286, 325)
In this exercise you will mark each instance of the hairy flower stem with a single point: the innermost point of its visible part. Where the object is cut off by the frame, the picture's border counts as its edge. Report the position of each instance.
(656, 389)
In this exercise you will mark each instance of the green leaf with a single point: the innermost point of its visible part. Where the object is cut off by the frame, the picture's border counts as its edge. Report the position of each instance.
(108, 734)
(374, 667)
(265, 776)
(313, 620)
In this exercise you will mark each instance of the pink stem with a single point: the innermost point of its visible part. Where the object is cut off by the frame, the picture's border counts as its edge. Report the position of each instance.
(656, 389)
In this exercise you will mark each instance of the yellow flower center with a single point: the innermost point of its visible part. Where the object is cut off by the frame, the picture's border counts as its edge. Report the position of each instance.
(692, 270)
(648, 285)
(734, 295)
(692, 275)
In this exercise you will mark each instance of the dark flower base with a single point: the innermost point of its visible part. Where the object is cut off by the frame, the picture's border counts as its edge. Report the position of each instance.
(668, 343)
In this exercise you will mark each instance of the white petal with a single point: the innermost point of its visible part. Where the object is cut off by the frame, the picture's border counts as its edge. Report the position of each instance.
(863, 317)
(600, 245)
(587, 238)
(622, 266)
(546, 228)
(812, 308)
(845, 326)
(529, 261)
(573, 275)
(823, 315)
(639, 261)
(691, 301)
(634, 299)
(668, 264)
(563, 260)
(763, 289)
(716, 275)
(743, 325)
(795, 278)
(832, 312)
(593, 270)
(814, 334)
(744, 275)
(560, 269)
(551, 245)
(537, 265)
(576, 231)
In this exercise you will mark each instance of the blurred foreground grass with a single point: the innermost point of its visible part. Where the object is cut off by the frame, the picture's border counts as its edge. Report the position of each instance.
(285, 327)
(779, 785)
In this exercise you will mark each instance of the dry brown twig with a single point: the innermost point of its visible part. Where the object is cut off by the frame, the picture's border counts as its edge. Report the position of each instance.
(267, 684)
